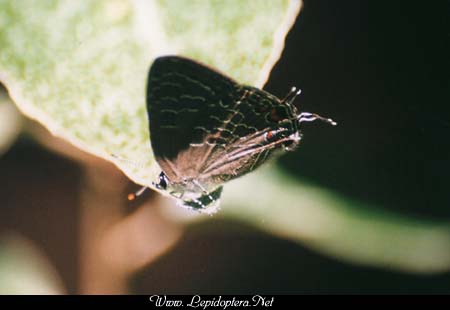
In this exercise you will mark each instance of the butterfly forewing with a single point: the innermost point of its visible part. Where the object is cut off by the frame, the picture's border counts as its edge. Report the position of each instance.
(185, 102)
(183, 95)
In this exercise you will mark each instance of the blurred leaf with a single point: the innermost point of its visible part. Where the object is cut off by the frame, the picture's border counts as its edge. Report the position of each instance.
(80, 67)
(24, 270)
(336, 225)
(330, 223)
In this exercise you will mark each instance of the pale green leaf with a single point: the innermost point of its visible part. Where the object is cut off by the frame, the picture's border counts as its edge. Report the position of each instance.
(331, 223)
(80, 67)
(338, 226)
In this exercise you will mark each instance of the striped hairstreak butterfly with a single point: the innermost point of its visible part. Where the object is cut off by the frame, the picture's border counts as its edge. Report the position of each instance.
(207, 129)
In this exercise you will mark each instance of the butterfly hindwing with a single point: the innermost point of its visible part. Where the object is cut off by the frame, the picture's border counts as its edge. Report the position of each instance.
(245, 147)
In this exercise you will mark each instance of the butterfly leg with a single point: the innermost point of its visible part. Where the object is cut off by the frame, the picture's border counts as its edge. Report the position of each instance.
(205, 192)
(162, 185)
(132, 196)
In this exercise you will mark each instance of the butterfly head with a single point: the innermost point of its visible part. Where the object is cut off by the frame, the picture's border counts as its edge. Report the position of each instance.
(304, 116)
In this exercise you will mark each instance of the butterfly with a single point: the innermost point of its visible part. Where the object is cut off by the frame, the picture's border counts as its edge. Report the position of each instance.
(207, 129)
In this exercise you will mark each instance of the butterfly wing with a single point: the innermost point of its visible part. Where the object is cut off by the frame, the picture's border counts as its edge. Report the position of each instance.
(205, 126)
(255, 114)
(184, 100)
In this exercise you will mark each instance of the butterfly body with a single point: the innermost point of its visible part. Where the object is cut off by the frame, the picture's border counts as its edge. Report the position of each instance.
(207, 129)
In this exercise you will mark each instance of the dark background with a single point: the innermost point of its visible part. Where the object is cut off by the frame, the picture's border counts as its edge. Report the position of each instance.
(380, 69)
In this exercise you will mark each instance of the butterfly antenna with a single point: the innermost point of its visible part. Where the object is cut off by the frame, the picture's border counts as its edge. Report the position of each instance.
(132, 196)
(310, 117)
(298, 92)
(293, 92)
